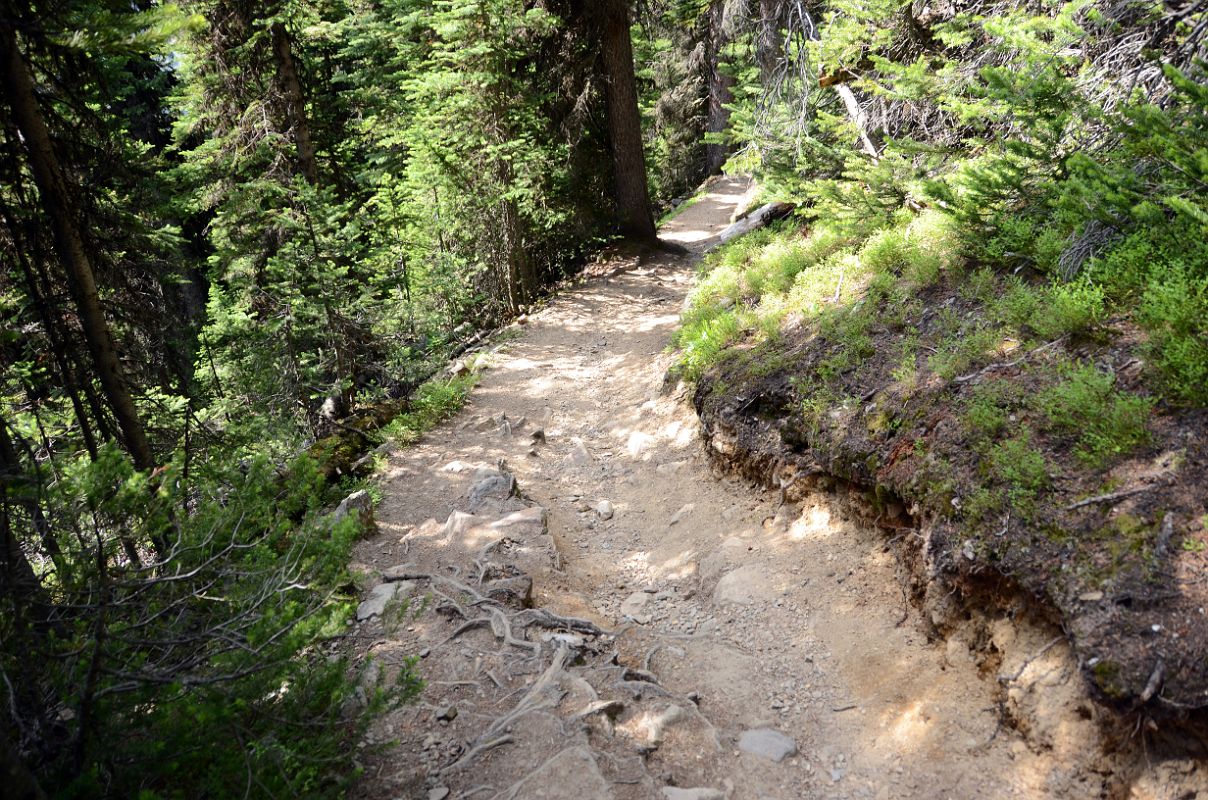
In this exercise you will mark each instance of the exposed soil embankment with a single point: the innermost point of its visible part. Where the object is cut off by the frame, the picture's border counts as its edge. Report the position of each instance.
(1115, 556)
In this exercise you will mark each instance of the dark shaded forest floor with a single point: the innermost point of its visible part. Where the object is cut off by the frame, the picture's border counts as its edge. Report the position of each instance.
(599, 614)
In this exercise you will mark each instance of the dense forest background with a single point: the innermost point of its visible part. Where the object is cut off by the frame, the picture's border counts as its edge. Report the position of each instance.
(239, 238)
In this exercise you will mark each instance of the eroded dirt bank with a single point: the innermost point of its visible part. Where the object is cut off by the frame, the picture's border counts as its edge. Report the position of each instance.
(683, 635)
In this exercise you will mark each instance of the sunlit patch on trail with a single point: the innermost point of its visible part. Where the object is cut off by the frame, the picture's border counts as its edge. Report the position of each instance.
(814, 523)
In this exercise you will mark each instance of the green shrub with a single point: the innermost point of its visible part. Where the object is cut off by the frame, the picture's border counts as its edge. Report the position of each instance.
(1015, 240)
(980, 286)
(986, 414)
(960, 351)
(1022, 467)
(220, 670)
(1067, 309)
(888, 251)
(1017, 304)
(1109, 424)
(1175, 311)
(703, 342)
(433, 402)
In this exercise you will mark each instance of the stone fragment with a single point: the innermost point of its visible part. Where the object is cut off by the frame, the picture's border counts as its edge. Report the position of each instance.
(438, 793)
(447, 713)
(359, 503)
(491, 484)
(684, 511)
(605, 509)
(635, 604)
(523, 525)
(380, 596)
(458, 524)
(579, 456)
(744, 586)
(767, 743)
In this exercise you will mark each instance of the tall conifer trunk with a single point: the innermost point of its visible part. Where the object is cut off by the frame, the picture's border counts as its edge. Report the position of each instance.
(18, 87)
(625, 124)
(720, 90)
(769, 43)
(295, 103)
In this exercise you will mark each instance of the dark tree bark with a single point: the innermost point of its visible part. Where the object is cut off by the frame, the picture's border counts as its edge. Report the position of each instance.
(66, 374)
(18, 581)
(624, 123)
(55, 194)
(19, 783)
(720, 90)
(769, 42)
(295, 103)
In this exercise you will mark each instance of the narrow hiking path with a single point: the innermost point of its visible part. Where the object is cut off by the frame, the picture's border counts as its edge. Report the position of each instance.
(726, 613)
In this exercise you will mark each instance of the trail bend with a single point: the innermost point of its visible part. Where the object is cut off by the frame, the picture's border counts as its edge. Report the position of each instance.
(728, 612)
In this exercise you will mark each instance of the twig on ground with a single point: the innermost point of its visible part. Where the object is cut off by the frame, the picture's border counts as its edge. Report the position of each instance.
(1107, 498)
(1006, 365)
(1154, 682)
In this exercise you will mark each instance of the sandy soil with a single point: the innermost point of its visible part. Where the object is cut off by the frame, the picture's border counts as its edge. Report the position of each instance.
(739, 612)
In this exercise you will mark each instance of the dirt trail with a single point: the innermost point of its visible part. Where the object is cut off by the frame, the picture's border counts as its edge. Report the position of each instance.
(762, 616)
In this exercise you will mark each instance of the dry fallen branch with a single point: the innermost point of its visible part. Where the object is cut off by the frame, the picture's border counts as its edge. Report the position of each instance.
(1107, 498)
(973, 376)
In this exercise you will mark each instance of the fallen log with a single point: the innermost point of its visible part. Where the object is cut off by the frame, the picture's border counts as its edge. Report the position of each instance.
(758, 218)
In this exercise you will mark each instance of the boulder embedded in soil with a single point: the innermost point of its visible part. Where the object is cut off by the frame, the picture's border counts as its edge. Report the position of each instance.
(767, 743)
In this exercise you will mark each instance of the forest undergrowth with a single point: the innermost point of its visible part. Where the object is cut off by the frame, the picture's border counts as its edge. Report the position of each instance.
(997, 322)
(239, 240)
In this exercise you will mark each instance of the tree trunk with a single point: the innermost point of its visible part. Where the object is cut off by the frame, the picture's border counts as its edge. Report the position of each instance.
(56, 201)
(625, 123)
(720, 90)
(769, 43)
(59, 347)
(19, 782)
(295, 103)
(18, 581)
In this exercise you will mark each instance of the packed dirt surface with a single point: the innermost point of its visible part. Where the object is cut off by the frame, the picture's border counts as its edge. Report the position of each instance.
(597, 614)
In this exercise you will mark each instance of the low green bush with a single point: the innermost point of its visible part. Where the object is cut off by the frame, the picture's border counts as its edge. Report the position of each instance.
(1108, 423)
(1175, 311)
(1022, 467)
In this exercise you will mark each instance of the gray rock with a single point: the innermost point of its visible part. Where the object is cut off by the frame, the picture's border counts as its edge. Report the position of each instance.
(489, 423)
(438, 793)
(447, 713)
(635, 604)
(744, 586)
(683, 512)
(359, 503)
(459, 524)
(380, 596)
(522, 525)
(491, 484)
(571, 773)
(676, 793)
(579, 456)
(767, 743)
(605, 509)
